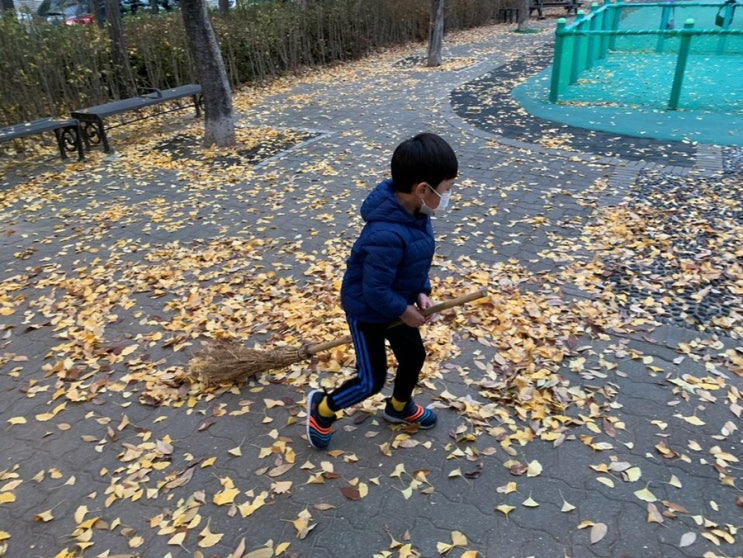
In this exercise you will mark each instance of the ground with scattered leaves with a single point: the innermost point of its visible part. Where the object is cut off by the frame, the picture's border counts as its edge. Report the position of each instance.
(589, 406)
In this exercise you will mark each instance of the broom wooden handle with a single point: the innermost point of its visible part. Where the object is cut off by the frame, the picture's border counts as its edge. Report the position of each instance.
(482, 293)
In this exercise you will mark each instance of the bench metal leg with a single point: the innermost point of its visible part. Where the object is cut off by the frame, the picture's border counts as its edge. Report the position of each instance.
(94, 133)
(69, 138)
(59, 133)
(538, 10)
(198, 103)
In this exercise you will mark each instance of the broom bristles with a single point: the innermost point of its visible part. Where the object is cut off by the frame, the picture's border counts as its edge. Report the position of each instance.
(228, 361)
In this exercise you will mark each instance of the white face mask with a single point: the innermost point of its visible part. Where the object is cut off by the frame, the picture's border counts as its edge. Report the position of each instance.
(443, 202)
(425, 210)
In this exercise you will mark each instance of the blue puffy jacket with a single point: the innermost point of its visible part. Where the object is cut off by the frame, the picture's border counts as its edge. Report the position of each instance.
(389, 263)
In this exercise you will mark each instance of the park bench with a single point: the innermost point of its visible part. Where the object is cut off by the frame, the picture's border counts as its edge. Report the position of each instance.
(67, 131)
(571, 6)
(92, 119)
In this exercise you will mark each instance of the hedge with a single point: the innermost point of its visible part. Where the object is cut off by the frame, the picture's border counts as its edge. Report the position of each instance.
(59, 68)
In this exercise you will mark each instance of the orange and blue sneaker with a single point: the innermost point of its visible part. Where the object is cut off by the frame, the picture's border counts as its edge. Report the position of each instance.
(318, 426)
(412, 414)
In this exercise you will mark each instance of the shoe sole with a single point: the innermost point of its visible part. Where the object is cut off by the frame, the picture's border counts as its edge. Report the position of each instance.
(395, 420)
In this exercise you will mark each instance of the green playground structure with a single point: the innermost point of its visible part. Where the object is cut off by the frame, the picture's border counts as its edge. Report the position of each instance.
(622, 27)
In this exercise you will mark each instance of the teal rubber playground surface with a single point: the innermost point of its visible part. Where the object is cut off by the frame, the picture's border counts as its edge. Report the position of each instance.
(627, 92)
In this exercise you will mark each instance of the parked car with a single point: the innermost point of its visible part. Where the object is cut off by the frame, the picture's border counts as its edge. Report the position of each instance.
(214, 4)
(135, 6)
(69, 13)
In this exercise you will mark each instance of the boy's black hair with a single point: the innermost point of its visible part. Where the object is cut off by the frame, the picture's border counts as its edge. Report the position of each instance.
(423, 158)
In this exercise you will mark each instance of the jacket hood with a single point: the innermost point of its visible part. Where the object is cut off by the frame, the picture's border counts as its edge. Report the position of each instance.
(382, 205)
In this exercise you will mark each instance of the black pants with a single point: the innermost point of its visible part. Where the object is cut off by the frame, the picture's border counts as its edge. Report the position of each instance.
(371, 362)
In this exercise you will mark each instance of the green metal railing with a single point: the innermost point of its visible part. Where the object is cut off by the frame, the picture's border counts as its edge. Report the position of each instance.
(591, 37)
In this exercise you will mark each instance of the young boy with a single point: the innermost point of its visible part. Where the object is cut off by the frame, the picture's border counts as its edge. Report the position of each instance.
(386, 279)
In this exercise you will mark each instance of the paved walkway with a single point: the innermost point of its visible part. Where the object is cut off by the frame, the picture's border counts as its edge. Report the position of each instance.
(623, 441)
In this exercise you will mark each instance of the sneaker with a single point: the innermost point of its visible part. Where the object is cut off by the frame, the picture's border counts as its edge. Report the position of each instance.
(411, 414)
(318, 427)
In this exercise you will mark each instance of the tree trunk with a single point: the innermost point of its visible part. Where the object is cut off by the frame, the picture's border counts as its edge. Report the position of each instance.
(7, 5)
(436, 33)
(224, 7)
(219, 119)
(523, 18)
(154, 7)
(99, 12)
(124, 77)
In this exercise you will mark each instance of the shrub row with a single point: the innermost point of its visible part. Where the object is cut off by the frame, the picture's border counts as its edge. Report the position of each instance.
(59, 68)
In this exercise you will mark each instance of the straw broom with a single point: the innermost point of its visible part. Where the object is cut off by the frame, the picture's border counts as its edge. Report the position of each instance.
(228, 361)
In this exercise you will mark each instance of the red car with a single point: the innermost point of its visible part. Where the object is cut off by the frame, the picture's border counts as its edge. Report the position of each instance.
(70, 14)
(79, 20)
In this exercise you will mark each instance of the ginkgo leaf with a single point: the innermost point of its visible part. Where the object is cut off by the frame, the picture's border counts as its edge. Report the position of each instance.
(443, 548)
(281, 487)
(302, 524)
(632, 474)
(696, 421)
(44, 516)
(226, 496)
(280, 470)
(598, 532)
(566, 506)
(80, 513)
(505, 509)
(7, 497)
(281, 548)
(688, 539)
(675, 481)
(248, 508)
(178, 538)
(508, 488)
(654, 516)
(399, 470)
(645, 495)
(458, 538)
(534, 469)
(239, 550)
(260, 553)
(207, 539)
(530, 503)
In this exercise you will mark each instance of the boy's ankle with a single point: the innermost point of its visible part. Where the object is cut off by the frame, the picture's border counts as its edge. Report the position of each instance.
(324, 409)
(397, 405)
